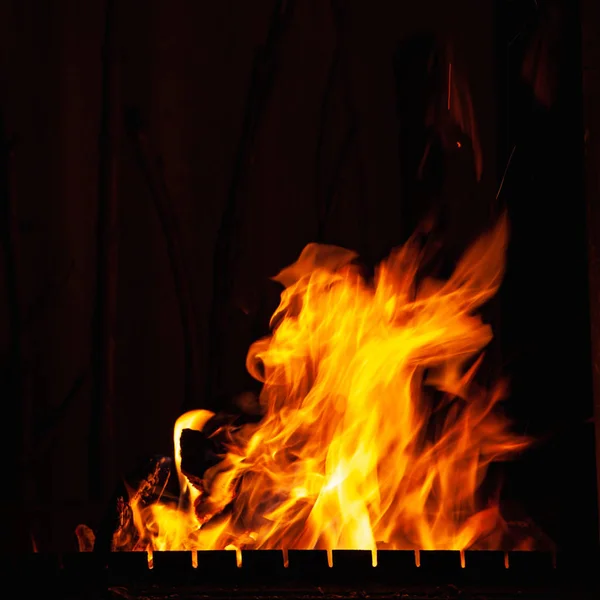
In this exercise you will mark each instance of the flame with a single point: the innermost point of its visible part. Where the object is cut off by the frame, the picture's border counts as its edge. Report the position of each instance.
(86, 538)
(375, 432)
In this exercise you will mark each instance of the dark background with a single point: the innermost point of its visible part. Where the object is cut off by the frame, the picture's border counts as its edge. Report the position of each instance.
(162, 160)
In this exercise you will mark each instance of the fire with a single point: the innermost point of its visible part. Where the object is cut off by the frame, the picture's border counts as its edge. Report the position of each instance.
(375, 432)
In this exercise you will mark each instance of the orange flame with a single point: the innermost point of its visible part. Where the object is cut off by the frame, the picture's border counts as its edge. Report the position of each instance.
(375, 433)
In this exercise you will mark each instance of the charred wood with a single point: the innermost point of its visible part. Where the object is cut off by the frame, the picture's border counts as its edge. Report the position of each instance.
(149, 482)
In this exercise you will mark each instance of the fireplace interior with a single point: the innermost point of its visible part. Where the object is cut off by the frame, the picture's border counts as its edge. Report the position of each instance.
(162, 164)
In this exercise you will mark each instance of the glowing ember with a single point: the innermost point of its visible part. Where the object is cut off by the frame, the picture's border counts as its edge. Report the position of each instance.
(374, 432)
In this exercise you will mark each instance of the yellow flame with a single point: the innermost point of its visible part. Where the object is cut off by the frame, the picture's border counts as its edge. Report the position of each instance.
(375, 433)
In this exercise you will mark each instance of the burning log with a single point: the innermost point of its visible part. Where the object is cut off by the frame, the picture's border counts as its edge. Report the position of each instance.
(149, 483)
(203, 449)
(202, 454)
(199, 452)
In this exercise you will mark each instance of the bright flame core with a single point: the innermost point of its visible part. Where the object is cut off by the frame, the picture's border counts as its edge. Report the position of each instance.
(375, 433)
